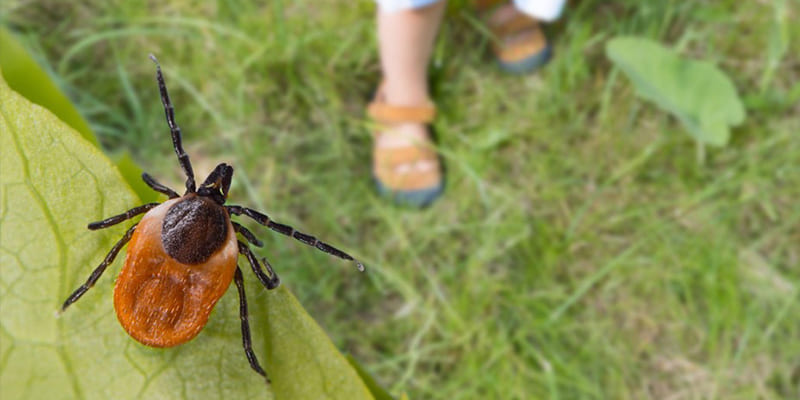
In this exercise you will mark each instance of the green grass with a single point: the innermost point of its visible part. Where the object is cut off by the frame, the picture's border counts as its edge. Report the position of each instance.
(580, 250)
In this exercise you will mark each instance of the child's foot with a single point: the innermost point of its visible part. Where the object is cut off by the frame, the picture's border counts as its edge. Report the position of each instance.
(520, 45)
(405, 164)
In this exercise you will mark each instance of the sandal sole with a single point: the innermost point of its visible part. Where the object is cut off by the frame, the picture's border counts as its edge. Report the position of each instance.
(529, 64)
(415, 198)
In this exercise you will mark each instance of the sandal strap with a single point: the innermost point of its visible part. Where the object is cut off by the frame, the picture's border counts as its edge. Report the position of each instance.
(386, 113)
(525, 45)
(387, 160)
(381, 111)
(518, 23)
(410, 181)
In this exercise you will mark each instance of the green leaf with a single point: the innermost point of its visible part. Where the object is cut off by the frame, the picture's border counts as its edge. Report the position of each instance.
(27, 78)
(698, 93)
(53, 182)
(301, 360)
(378, 392)
(133, 175)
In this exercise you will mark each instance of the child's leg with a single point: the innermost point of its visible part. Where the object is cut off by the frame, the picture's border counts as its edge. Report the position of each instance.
(405, 40)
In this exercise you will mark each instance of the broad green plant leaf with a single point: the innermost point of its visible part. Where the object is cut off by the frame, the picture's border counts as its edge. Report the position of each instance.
(698, 93)
(28, 79)
(52, 183)
(378, 392)
(301, 360)
(132, 174)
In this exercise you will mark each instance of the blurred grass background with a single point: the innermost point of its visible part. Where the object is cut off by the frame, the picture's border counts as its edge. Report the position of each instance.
(580, 250)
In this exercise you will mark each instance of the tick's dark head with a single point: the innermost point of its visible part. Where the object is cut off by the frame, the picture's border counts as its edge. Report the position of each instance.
(217, 184)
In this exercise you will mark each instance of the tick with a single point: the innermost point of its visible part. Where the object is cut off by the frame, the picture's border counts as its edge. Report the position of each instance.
(183, 253)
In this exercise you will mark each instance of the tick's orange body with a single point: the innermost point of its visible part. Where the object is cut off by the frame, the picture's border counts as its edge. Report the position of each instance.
(161, 302)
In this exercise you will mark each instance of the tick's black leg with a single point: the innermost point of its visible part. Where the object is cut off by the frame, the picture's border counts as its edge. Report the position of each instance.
(246, 341)
(247, 235)
(289, 231)
(150, 181)
(99, 270)
(270, 281)
(111, 221)
(174, 129)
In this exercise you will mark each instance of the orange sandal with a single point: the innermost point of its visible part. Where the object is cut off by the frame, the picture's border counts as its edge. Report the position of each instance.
(520, 46)
(393, 168)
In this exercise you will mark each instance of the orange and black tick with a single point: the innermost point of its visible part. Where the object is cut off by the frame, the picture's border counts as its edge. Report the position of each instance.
(183, 255)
